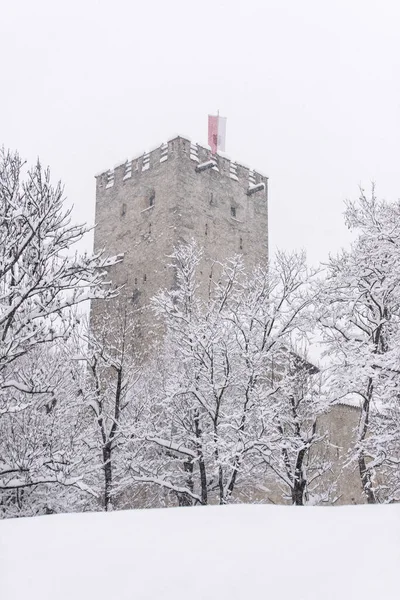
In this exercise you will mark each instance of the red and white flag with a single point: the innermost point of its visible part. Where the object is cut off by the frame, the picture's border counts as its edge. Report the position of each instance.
(216, 133)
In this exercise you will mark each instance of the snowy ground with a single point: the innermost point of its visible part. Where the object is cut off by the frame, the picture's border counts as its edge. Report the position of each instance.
(232, 552)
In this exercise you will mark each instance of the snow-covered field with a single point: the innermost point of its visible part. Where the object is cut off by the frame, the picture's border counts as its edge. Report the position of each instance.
(231, 552)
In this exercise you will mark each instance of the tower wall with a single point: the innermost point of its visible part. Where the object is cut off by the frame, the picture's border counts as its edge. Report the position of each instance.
(177, 192)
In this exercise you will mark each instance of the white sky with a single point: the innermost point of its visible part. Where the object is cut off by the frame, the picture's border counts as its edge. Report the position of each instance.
(311, 91)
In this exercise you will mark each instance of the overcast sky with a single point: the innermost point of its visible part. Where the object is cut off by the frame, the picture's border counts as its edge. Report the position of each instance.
(311, 91)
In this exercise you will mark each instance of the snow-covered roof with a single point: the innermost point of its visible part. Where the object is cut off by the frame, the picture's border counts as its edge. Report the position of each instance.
(351, 400)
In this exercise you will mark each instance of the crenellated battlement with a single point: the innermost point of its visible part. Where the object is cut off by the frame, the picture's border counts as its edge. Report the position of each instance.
(183, 148)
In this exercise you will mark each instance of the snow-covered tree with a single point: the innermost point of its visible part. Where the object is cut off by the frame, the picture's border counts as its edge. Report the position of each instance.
(293, 443)
(360, 322)
(212, 429)
(105, 375)
(44, 455)
(41, 280)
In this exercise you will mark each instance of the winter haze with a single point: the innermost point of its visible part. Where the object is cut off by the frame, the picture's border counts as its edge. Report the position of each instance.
(310, 90)
(192, 384)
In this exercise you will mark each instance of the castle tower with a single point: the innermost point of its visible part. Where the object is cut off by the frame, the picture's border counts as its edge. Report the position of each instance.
(176, 192)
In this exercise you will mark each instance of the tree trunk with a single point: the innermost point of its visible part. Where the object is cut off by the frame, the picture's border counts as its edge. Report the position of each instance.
(107, 476)
(300, 482)
(202, 466)
(365, 473)
(366, 480)
(183, 498)
(298, 493)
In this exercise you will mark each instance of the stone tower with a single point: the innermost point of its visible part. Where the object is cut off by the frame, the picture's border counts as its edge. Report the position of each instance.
(177, 192)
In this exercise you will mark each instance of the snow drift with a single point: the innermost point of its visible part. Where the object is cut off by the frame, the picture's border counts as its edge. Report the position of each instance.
(230, 552)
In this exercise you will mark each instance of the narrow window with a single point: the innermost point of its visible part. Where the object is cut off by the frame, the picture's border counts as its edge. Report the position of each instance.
(241, 243)
(135, 280)
(151, 199)
(206, 229)
(145, 277)
(233, 211)
(123, 210)
(149, 228)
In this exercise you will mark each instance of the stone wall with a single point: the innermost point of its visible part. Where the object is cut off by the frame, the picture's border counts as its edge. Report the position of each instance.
(340, 426)
(175, 193)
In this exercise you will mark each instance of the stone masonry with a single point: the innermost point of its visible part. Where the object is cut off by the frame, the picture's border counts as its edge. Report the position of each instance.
(176, 193)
